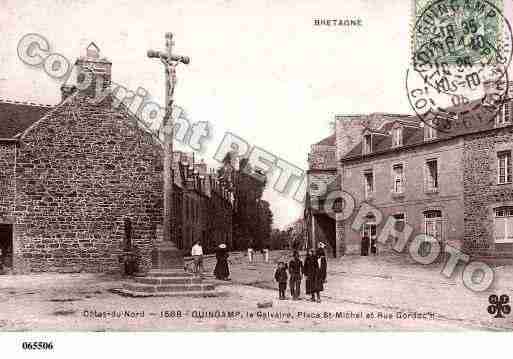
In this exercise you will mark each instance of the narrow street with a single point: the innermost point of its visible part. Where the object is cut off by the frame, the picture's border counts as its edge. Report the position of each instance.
(362, 293)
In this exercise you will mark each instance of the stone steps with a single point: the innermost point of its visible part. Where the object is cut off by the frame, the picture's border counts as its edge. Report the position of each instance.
(167, 280)
(152, 288)
(168, 283)
(169, 274)
(193, 294)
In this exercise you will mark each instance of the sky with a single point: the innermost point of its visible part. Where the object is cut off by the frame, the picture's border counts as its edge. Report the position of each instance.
(259, 69)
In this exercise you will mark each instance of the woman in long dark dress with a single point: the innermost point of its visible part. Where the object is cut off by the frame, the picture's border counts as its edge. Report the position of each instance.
(323, 270)
(311, 271)
(221, 271)
(364, 251)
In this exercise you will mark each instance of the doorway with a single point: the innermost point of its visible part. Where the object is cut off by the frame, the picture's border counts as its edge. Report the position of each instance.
(6, 245)
(369, 237)
(325, 232)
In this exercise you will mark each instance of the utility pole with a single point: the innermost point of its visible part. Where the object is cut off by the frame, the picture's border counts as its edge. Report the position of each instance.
(170, 61)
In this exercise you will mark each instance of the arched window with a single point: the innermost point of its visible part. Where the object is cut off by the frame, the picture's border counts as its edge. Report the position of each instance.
(433, 224)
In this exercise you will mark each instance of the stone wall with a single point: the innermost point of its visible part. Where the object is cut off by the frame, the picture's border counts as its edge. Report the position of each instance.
(80, 172)
(415, 198)
(322, 157)
(482, 193)
(7, 185)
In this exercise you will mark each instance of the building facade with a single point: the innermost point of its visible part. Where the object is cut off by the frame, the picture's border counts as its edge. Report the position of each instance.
(321, 178)
(453, 186)
(71, 175)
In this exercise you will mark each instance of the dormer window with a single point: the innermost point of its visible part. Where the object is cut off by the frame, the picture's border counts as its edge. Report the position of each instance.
(397, 137)
(504, 116)
(367, 144)
(429, 131)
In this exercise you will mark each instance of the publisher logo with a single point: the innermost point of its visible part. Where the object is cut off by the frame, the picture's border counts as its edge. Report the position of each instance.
(499, 305)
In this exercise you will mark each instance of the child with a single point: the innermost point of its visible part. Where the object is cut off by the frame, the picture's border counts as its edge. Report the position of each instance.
(281, 277)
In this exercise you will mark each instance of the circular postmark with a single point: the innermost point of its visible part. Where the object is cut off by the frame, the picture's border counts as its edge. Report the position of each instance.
(461, 51)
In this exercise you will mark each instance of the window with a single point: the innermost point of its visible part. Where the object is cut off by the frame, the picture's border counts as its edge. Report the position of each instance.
(367, 144)
(369, 230)
(432, 175)
(503, 224)
(504, 167)
(433, 224)
(368, 177)
(397, 137)
(397, 178)
(399, 221)
(503, 118)
(429, 130)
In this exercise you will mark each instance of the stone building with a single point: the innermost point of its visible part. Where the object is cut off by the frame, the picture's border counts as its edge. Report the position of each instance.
(72, 174)
(207, 206)
(454, 186)
(321, 178)
(219, 215)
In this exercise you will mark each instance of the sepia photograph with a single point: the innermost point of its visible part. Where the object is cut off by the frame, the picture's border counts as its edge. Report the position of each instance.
(255, 166)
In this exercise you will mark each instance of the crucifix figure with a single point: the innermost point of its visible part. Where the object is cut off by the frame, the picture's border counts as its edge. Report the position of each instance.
(170, 61)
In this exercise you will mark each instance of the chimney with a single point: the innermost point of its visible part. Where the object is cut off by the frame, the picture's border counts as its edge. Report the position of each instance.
(93, 69)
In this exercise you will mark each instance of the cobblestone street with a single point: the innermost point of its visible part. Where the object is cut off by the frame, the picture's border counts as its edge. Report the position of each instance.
(362, 293)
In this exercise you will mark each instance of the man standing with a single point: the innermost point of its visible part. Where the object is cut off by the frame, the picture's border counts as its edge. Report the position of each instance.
(197, 257)
(250, 251)
(266, 254)
(295, 271)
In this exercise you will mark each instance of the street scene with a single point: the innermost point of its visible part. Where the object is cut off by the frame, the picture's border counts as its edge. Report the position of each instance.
(354, 290)
(159, 179)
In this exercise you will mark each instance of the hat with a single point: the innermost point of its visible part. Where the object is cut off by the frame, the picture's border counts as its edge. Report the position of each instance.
(222, 245)
(321, 245)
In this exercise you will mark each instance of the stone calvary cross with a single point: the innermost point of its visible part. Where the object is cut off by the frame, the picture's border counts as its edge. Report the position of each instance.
(170, 61)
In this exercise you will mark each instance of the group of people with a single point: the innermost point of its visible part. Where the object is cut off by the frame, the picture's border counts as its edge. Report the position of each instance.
(221, 271)
(314, 269)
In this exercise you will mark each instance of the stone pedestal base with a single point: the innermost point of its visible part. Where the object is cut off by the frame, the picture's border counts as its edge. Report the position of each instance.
(165, 255)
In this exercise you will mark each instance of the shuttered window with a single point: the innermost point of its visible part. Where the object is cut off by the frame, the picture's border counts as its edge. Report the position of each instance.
(398, 178)
(433, 224)
(504, 167)
(503, 225)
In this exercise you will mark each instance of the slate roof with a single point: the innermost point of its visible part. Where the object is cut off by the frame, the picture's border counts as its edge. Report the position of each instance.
(328, 141)
(474, 118)
(16, 117)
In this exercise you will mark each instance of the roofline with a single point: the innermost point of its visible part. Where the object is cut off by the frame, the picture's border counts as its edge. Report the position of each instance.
(376, 132)
(101, 60)
(9, 140)
(25, 103)
(311, 170)
(384, 114)
(397, 149)
(23, 133)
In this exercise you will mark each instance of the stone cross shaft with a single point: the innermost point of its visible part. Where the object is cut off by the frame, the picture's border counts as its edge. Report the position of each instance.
(170, 61)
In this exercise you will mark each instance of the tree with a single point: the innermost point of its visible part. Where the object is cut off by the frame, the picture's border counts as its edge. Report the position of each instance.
(264, 225)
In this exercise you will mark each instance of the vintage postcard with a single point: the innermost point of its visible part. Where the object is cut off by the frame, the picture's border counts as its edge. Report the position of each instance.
(213, 165)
